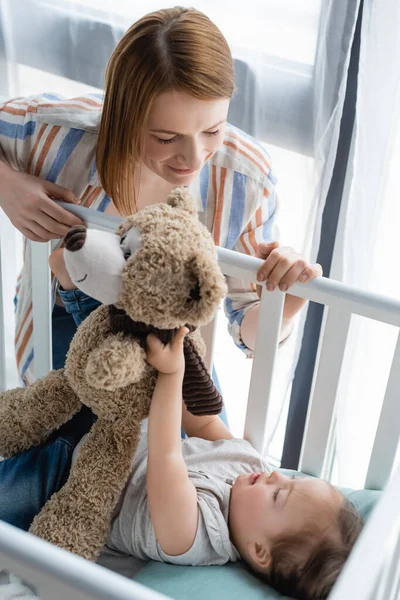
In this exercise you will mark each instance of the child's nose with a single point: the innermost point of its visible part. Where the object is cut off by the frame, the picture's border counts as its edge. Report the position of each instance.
(276, 477)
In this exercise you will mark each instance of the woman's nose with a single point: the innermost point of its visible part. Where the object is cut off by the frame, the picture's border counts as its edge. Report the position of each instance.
(191, 155)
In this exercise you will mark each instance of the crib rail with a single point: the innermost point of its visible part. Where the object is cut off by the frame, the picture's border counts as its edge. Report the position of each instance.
(341, 303)
(58, 574)
(372, 571)
(9, 254)
(3, 374)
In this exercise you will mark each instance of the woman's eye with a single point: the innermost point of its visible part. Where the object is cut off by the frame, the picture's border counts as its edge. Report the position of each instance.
(169, 141)
(212, 132)
(276, 492)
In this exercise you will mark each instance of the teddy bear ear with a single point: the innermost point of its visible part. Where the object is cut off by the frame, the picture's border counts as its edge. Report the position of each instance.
(124, 226)
(181, 198)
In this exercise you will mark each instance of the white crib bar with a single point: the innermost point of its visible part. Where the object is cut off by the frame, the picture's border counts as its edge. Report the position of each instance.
(370, 555)
(57, 574)
(41, 308)
(208, 333)
(341, 299)
(361, 572)
(8, 268)
(388, 431)
(322, 290)
(320, 417)
(387, 581)
(270, 318)
(391, 591)
(3, 383)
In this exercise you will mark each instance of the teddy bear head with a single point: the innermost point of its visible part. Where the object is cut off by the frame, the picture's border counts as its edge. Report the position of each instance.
(160, 267)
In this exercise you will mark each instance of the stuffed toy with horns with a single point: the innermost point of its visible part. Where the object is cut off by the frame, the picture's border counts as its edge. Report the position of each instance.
(158, 273)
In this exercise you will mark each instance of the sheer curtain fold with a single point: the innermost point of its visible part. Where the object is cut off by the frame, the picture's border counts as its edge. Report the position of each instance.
(370, 225)
(333, 52)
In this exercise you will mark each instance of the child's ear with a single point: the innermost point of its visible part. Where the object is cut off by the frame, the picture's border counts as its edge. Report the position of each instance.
(260, 555)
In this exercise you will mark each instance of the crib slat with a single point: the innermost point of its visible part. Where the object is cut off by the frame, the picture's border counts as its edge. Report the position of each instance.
(387, 584)
(268, 333)
(321, 409)
(208, 334)
(388, 431)
(3, 383)
(41, 308)
(392, 591)
(8, 269)
(373, 549)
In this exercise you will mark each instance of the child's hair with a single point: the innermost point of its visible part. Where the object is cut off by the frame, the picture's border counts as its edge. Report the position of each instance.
(314, 577)
(176, 49)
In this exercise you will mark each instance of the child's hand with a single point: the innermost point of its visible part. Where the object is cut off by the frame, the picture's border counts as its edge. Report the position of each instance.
(283, 267)
(169, 358)
(57, 266)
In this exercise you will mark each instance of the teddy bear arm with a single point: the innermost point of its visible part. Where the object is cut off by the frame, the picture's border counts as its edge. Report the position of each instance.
(29, 415)
(118, 362)
(78, 517)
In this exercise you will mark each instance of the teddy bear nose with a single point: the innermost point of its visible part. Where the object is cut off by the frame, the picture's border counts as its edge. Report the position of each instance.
(75, 238)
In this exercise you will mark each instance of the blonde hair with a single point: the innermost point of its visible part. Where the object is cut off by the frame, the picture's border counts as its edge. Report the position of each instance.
(176, 49)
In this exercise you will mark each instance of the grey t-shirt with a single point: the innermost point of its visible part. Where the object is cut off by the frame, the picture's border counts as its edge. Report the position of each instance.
(212, 468)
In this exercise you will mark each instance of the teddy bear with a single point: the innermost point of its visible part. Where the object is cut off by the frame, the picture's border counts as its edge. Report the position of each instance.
(157, 273)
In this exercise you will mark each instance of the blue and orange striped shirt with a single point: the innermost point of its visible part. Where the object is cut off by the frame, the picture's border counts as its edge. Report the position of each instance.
(55, 139)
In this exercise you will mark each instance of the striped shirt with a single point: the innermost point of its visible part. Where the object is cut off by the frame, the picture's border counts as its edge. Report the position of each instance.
(55, 139)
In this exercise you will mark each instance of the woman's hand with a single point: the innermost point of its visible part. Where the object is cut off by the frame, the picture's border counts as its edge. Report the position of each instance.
(283, 266)
(167, 358)
(29, 204)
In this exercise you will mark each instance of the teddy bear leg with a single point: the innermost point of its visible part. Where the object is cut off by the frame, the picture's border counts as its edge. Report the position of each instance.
(29, 415)
(78, 517)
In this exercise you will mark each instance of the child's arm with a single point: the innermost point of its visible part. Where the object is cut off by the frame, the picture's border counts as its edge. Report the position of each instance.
(171, 495)
(206, 427)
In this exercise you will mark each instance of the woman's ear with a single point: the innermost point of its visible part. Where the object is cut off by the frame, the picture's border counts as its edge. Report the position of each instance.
(260, 555)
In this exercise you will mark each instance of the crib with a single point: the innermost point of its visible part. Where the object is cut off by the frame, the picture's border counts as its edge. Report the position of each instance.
(373, 569)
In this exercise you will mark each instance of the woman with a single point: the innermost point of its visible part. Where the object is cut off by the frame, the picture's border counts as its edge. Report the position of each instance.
(162, 124)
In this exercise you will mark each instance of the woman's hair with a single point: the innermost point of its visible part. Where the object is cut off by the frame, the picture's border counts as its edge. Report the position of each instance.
(312, 578)
(176, 49)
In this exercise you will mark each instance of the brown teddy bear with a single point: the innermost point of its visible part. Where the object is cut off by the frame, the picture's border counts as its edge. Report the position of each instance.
(156, 274)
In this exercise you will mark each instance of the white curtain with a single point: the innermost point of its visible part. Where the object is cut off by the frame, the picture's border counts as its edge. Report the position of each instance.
(291, 64)
(368, 256)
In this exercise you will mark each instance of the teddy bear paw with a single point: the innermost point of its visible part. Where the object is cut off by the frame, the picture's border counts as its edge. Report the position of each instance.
(115, 364)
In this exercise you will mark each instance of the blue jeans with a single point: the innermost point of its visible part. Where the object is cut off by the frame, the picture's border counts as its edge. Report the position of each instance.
(28, 479)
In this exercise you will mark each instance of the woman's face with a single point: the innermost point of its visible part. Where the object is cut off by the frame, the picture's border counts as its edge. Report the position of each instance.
(182, 134)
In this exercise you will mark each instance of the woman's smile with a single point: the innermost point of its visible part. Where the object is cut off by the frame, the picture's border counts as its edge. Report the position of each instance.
(181, 171)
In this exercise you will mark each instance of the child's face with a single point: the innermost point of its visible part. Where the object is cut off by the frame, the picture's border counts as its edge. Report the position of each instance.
(183, 133)
(264, 507)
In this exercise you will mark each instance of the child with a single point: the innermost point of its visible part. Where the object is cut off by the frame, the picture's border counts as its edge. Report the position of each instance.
(211, 499)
